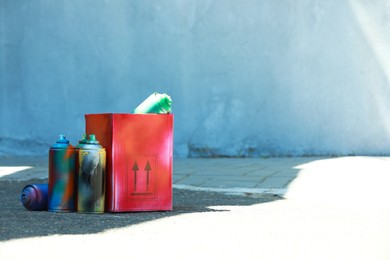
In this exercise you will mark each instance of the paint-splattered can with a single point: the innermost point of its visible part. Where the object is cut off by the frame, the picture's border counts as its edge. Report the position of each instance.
(91, 179)
(155, 104)
(62, 176)
(34, 196)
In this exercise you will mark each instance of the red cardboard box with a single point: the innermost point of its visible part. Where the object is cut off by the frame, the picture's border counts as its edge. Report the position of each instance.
(139, 159)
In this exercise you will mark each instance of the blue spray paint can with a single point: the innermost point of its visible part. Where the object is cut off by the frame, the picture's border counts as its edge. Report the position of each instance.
(91, 177)
(62, 176)
(35, 196)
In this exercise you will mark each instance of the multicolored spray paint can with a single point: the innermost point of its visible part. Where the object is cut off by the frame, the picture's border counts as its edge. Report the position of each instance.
(35, 196)
(62, 176)
(92, 177)
(155, 104)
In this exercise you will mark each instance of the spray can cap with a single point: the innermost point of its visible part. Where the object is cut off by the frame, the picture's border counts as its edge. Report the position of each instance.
(62, 143)
(63, 139)
(83, 139)
(92, 139)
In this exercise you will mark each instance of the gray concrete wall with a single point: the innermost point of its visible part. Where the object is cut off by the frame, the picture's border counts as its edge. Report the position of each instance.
(247, 78)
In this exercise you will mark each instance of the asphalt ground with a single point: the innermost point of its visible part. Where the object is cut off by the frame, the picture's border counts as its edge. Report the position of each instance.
(263, 208)
(17, 222)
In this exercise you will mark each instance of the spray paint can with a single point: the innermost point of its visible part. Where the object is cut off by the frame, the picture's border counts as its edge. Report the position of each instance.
(91, 179)
(155, 104)
(62, 176)
(34, 196)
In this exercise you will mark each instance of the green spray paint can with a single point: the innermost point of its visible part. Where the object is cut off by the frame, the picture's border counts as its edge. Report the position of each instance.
(155, 104)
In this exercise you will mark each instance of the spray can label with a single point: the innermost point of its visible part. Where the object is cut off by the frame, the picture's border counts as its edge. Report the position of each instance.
(91, 179)
(62, 176)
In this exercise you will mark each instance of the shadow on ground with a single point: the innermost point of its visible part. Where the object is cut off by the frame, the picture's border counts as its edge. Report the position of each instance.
(17, 222)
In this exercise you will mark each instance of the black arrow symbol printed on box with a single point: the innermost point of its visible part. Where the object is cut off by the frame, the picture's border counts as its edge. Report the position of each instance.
(147, 169)
(135, 169)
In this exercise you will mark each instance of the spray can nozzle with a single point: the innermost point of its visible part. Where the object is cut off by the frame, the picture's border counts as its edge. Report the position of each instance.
(83, 139)
(92, 139)
(63, 139)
